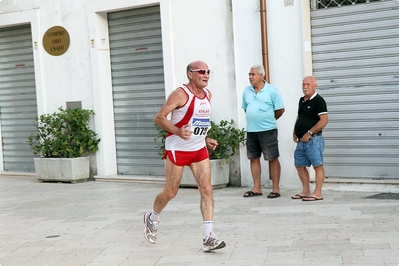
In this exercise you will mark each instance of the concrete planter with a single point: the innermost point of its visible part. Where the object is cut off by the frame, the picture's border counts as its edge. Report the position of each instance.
(219, 175)
(62, 169)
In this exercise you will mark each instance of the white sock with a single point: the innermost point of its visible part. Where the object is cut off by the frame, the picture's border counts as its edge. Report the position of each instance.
(154, 216)
(207, 228)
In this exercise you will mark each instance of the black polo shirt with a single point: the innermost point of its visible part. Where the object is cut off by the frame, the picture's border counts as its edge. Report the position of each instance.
(308, 114)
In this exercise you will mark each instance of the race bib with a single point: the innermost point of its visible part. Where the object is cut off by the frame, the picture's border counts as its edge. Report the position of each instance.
(200, 126)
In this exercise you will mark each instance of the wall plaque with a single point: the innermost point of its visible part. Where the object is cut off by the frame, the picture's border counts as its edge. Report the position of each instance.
(56, 40)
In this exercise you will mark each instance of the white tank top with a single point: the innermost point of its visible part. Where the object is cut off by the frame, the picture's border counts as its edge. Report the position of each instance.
(197, 113)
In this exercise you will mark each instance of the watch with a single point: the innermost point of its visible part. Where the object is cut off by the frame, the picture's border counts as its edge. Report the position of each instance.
(310, 133)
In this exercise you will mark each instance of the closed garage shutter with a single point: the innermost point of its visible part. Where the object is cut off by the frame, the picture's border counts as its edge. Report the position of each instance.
(18, 107)
(356, 62)
(138, 88)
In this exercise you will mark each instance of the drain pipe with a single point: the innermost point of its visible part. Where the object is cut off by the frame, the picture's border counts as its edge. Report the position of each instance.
(265, 49)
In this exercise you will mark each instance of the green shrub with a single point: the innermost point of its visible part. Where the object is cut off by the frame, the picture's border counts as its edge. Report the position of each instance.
(228, 137)
(64, 134)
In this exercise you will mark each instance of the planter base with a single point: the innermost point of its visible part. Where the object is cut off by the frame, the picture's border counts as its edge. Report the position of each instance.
(219, 175)
(71, 170)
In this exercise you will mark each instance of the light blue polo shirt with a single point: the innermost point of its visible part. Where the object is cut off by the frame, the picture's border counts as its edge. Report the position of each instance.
(260, 107)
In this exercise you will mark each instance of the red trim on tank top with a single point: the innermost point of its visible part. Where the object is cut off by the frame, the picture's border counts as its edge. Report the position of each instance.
(186, 117)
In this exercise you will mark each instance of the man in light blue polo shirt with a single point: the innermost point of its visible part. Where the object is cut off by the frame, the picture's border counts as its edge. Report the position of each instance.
(263, 105)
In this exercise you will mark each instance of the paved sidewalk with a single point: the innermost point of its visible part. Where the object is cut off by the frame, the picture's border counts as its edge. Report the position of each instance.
(101, 223)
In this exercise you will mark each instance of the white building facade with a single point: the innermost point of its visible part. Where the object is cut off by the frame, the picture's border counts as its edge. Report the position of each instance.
(126, 56)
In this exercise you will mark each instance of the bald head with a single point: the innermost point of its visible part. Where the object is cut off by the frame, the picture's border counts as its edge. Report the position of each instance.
(196, 65)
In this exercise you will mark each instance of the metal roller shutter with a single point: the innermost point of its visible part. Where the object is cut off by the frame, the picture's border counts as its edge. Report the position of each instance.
(18, 106)
(138, 88)
(356, 62)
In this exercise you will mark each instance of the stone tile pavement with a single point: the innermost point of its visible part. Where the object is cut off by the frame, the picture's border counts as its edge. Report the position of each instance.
(100, 223)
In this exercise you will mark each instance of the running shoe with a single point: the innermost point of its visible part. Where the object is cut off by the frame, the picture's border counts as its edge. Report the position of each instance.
(212, 242)
(150, 228)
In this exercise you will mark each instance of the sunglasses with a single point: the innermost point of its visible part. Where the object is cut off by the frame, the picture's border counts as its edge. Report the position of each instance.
(201, 71)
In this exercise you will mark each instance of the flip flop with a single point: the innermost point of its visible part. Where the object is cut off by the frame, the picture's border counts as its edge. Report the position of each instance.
(250, 193)
(273, 195)
(311, 198)
(297, 196)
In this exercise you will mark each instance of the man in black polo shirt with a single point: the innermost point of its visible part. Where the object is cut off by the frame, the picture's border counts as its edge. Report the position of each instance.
(312, 118)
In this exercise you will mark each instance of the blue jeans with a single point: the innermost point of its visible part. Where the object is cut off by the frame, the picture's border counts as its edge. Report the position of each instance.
(310, 153)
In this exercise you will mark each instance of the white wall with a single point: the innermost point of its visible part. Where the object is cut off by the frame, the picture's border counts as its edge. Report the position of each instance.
(202, 31)
(56, 83)
(286, 73)
(225, 34)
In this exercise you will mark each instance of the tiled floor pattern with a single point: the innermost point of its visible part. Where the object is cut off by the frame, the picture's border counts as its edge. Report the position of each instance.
(100, 224)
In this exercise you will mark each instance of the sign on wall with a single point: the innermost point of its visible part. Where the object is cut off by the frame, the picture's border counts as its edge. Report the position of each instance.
(56, 40)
